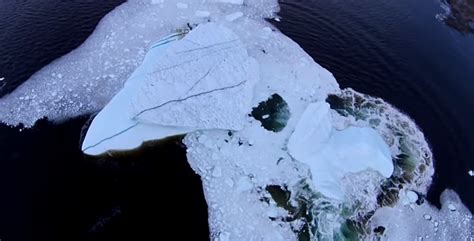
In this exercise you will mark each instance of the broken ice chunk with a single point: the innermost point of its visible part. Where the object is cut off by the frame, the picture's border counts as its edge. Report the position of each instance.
(333, 154)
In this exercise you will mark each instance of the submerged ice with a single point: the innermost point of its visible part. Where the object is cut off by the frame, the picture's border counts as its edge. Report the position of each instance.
(283, 153)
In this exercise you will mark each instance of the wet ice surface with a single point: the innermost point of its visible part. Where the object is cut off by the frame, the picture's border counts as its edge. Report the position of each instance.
(238, 160)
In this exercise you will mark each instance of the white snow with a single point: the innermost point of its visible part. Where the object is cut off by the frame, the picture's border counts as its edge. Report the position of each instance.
(333, 154)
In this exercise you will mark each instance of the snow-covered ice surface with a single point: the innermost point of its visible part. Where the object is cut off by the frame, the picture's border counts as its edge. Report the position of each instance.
(259, 184)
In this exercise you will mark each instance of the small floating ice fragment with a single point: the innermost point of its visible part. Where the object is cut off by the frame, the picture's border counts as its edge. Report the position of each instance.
(451, 207)
(181, 5)
(234, 16)
(471, 173)
(202, 14)
(412, 196)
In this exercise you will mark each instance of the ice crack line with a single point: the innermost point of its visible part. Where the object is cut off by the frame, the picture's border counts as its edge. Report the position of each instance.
(199, 81)
(110, 137)
(188, 97)
(207, 47)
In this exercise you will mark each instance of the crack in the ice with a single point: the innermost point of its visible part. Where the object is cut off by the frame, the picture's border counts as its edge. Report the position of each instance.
(185, 62)
(198, 81)
(208, 46)
(110, 137)
(188, 97)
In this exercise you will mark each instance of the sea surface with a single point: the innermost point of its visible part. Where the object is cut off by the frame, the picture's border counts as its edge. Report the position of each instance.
(397, 50)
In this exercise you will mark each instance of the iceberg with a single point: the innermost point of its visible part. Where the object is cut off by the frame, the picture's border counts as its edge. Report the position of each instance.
(183, 85)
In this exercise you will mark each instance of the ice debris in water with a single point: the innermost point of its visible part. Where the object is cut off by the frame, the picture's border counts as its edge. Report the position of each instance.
(268, 174)
(471, 173)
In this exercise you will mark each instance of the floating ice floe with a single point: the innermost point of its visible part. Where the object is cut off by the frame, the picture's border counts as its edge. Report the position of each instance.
(282, 152)
(203, 81)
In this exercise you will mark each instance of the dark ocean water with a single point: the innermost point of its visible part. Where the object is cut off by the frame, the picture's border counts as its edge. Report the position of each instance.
(48, 189)
(396, 50)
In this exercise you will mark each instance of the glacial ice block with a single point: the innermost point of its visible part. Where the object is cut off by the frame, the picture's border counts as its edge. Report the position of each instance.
(203, 81)
(332, 154)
